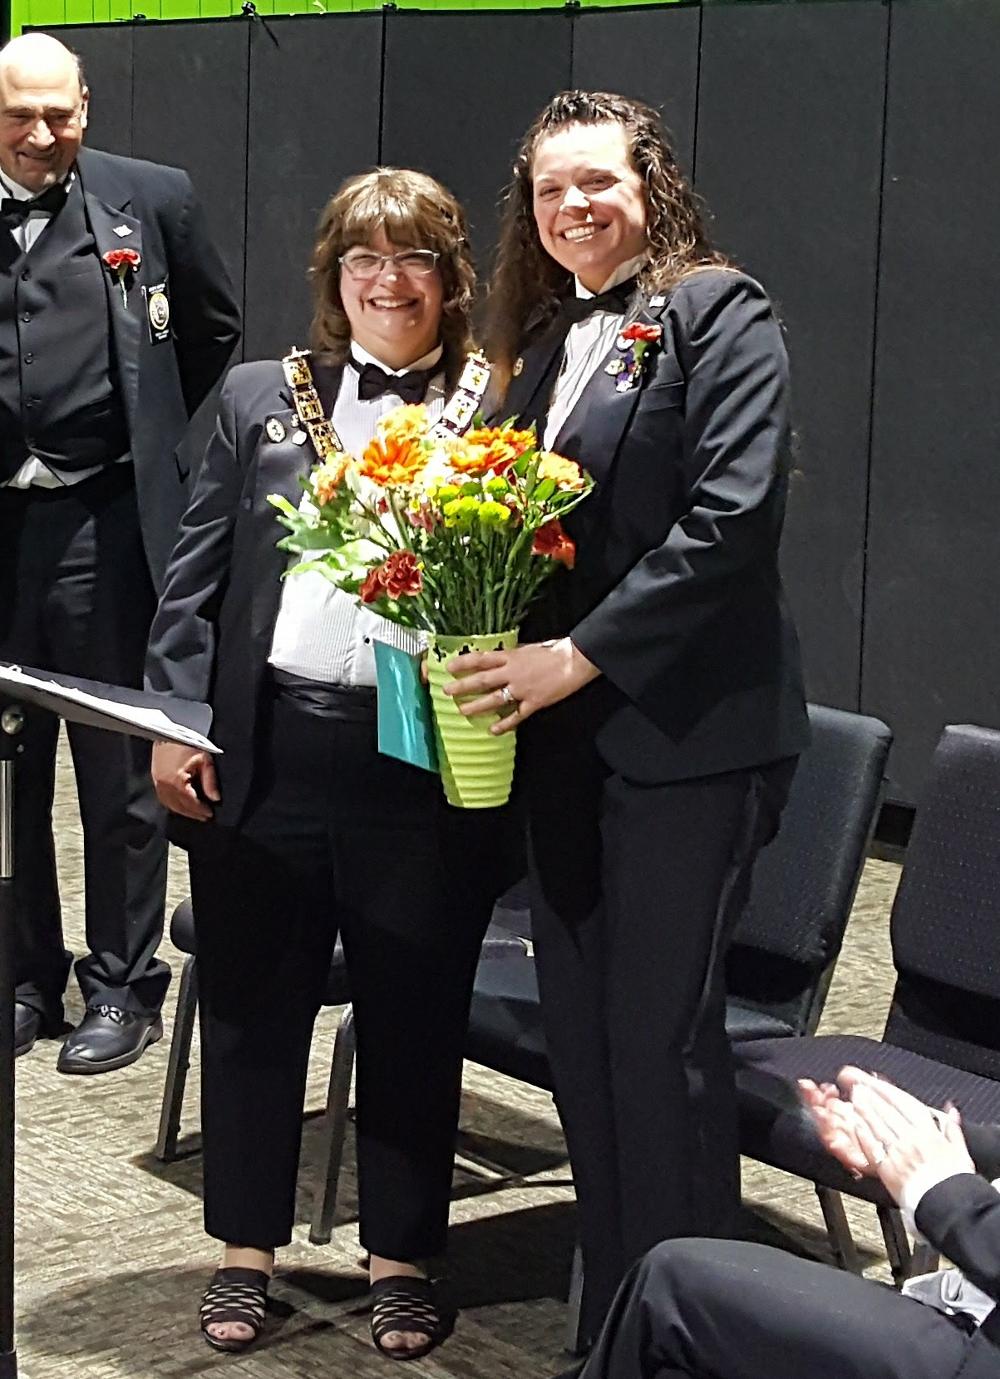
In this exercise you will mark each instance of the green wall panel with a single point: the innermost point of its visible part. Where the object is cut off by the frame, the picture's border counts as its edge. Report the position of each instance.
(44, 13)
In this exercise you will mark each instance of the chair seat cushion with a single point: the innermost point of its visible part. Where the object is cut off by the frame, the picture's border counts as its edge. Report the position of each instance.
(776, 1129)
(745, 1022)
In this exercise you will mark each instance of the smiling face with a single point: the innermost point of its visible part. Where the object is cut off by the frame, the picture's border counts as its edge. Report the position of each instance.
(43, 111)
(589, 202)
(394, 315)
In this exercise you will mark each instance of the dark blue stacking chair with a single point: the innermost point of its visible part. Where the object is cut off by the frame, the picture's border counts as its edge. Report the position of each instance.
(942, 1036)
(790, 934)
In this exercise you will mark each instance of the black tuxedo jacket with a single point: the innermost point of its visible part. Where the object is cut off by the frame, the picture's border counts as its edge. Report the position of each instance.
(676, 595)
(212, 632)
(162, 383)
(961, 1217)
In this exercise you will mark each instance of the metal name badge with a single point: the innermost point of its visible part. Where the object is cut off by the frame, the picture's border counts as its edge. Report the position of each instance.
(274, 430)
(157, 312)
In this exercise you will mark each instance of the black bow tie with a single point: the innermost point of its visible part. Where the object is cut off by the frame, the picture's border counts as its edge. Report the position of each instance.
(14, 212)
(373, 382)
(616, 300)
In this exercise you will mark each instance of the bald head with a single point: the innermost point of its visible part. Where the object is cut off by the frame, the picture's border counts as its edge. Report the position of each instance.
(43, 110)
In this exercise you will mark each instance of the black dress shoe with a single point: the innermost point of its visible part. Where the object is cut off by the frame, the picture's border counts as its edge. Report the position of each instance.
(31, 1024)
(108, 1038)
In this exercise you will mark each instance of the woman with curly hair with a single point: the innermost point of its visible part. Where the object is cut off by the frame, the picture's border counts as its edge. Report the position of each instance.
(304, 829)
(658, 692)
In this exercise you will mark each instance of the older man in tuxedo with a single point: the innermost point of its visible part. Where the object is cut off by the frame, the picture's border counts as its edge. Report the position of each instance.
(116, 320)
(701, 1309)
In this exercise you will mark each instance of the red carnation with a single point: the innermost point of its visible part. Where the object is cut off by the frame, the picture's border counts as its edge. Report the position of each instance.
(638, 330)
(122, 259)
(401, 574)
(552, 541)
(397, 576)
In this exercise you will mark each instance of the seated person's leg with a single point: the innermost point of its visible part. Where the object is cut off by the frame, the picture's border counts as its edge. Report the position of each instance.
(715, 1309)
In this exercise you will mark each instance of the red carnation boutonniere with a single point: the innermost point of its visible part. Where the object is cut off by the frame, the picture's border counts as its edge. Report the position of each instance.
(123, 263)
(633, 343)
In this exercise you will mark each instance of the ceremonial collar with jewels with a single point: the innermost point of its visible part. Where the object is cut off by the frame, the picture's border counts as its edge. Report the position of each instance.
(455, 420)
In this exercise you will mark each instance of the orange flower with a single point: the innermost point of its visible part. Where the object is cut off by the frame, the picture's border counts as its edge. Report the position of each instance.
(489, 449)
(393, 462)
(565, 474)
(327, 478)
(552, 541)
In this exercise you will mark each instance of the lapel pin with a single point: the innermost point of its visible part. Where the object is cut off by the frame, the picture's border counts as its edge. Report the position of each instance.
(518, 367)
(122, 230)
(615, 367)
(275, 430)
(299, 438)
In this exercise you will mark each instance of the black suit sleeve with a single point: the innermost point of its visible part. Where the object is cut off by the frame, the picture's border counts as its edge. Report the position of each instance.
(735, 440)
(961, 1216)
(205, 316)
(983, 1144)
(181, 655)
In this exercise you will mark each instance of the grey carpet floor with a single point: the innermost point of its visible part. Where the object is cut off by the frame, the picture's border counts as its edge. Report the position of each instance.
(111, 1258)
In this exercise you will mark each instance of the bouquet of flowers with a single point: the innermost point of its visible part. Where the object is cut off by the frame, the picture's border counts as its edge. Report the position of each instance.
(452, 535)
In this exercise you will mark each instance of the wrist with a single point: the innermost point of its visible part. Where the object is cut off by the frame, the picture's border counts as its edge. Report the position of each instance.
(583, 670)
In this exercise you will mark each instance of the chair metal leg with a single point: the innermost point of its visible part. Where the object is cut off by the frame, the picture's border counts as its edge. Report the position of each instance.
(177, 1064)
(897, 1244)
(574, 1342)
(838, 1229)
(334, 1129)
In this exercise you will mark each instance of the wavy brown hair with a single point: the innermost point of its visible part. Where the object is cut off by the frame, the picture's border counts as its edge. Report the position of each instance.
(415, 212)
(527, 283)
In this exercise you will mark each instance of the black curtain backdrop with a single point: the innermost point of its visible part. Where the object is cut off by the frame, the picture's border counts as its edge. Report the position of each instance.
(845, 151)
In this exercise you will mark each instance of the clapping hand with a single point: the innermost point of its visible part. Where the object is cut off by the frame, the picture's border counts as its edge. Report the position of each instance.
(883, 1132)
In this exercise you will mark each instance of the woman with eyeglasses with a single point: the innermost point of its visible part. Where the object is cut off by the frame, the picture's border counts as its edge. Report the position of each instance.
(303, 830)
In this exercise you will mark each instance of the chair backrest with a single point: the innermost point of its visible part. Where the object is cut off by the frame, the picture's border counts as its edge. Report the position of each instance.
(946, 916)
(790, 933)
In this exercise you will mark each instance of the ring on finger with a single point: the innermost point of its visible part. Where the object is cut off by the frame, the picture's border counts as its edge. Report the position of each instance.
(878, 1154)
(507, 697)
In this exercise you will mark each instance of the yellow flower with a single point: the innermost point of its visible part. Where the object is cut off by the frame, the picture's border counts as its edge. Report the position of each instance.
(406, 423)
(565, 474)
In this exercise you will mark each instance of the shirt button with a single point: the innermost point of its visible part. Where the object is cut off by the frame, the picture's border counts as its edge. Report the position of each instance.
(25, 316)
(29, 358)
(30, 402)
(26, 275)
(367, 641)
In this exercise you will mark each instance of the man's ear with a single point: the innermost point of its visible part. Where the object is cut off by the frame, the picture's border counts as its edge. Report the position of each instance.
(85, 99)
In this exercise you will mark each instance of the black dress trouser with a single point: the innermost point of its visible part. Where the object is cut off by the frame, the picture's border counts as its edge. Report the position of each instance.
(635, 894)
(711, 1309)
(339, 837)
(76, 597)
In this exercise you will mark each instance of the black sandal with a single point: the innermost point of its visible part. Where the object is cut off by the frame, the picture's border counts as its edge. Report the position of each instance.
(235, 1295)
(403, 1302)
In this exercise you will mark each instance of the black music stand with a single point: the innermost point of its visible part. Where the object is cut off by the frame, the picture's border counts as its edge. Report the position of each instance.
(100, 706)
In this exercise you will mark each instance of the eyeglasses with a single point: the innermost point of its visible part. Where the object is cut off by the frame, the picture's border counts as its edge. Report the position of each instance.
(415, 263)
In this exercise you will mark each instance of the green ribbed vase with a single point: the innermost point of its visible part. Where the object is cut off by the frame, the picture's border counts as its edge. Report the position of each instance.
(477, 768)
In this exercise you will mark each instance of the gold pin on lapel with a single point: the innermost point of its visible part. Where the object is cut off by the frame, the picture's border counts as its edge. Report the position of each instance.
(518, 367)
(275, 430)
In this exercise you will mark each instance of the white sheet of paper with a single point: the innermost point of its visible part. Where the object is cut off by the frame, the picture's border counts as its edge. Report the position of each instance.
(153, 721)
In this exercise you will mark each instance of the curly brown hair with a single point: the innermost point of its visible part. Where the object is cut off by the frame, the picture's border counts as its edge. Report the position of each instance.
(527, 283)
(415, 212)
